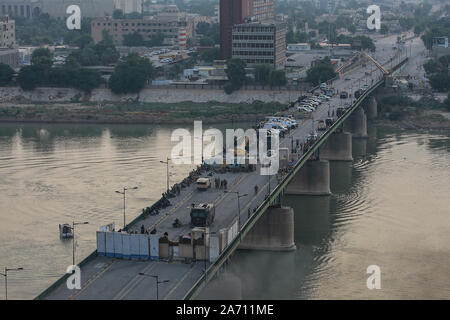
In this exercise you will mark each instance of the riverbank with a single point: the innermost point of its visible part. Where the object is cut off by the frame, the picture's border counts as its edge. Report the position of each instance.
(138, 113)
(402, 113)
(428, 120)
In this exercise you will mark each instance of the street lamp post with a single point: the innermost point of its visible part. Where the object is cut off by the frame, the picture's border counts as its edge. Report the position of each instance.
(124, 192)
(157, 282)
(6, 279)
(167, 164)
(73, 239)
(239, 208)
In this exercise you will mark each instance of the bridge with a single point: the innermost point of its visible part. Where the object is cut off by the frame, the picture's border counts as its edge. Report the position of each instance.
(261, 223)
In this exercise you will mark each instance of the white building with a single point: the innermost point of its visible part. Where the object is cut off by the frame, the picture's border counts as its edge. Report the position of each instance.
(295, 47)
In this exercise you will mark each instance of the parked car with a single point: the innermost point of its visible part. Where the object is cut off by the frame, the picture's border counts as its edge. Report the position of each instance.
(344, 95)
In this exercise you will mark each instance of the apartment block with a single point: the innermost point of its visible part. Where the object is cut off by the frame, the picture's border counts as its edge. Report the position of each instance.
(7, 32)
(260, 43)
(170, 23)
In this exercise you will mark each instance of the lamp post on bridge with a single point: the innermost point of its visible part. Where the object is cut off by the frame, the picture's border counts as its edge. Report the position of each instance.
(73, 238)
(167, 164)
(124, 192)
(6, 278)
(157, 282)
(239, 207)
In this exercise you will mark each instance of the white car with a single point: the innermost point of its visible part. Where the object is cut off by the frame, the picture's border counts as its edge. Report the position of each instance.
(304, 109)
(275, 125)
(315, 103)
(324, 97)
(309, 106)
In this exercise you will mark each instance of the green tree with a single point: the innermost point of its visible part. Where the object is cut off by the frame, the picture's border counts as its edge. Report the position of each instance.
(6, 74)
(134, 39)
(157, 40)
(236, 73)
(42, 57)
(321, 72)
(85, 80)
(105, 49)
(131, 75)
(206, 42)
(277, 78)
(431, 66)
(211, 54)
(83, 41)
(262, 73)
(440, 81)
(29, 77)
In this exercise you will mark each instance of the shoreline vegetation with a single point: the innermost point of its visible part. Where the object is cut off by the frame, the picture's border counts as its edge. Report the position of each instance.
(137, 113)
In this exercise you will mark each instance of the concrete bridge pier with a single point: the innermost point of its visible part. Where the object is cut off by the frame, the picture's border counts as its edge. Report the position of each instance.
(313, 179)
(371, 108)
(338, 147)
(274, 231)
(356, 124)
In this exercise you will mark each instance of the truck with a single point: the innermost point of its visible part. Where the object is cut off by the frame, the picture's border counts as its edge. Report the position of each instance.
(202, 214)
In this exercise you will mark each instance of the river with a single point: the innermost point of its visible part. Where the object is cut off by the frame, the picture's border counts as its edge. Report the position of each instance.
(389, 208)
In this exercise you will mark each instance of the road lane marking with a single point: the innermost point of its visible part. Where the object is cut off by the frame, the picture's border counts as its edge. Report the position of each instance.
(91, 280)
(178, 283)
(132, 283)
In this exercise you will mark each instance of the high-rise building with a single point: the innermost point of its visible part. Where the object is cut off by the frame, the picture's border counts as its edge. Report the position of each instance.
(232, 12)
(263, 10)
(128, 6)
(260, 43)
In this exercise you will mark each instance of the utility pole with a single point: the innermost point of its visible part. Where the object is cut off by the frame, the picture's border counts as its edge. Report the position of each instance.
(6, 279)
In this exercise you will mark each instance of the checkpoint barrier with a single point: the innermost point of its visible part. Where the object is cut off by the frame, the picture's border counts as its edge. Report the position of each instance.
(122, 245)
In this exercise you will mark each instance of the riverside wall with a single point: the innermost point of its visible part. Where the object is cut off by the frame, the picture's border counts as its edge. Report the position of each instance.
(148, 95)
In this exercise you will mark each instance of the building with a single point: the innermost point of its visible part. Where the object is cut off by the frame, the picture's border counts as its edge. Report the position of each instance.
(10, 57)
(7, 32)
(232, 12)
(216, 18)
(440, 47)
(328, 5)
(260, 43)
(263, 10)
(171, 23)
(56, 8)
(295, 47)
(128, 6)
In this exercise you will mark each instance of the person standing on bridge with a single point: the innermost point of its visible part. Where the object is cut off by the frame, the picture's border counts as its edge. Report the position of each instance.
(225, 182)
